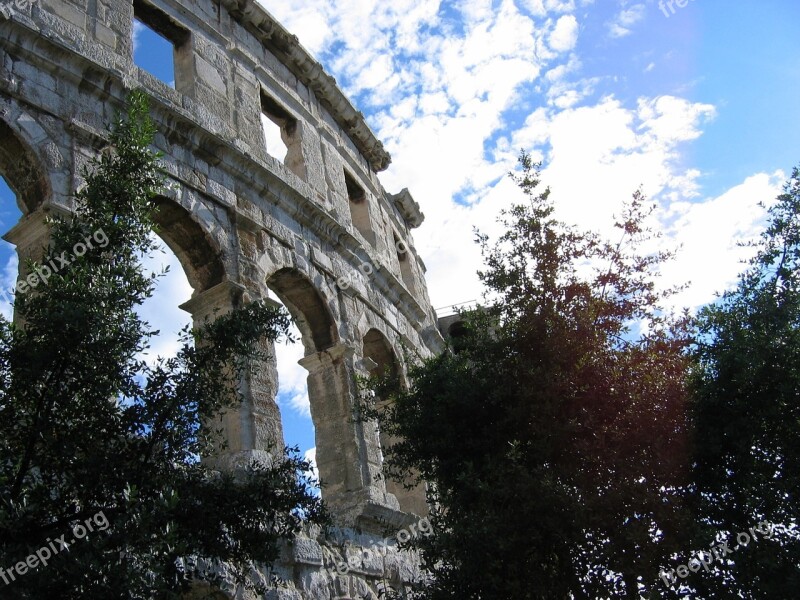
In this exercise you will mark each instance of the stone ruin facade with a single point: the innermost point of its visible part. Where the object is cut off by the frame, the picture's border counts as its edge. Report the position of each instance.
(245, 227)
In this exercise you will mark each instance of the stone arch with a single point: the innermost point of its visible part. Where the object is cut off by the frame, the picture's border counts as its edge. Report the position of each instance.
(252, 428)
(198, 254)
(381, 359)
(307, 307)
(344, 479)
(23, 170)
(29, 180)
(377, 348)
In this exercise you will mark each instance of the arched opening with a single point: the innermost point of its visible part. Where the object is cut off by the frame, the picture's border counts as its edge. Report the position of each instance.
(293, 400)
(191, 245)
(252, 427)
(457, 333)
(382, 361)
(307, 308)
(20, 168)
(10, 215)
(162, 310)
(192, 266)
(23, 189)
(330, 388)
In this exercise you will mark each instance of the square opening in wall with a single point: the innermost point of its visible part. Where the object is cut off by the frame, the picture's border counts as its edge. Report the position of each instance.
(403, 259)
(281, 135)
(158, 44)
(279, 126)
(359, 207)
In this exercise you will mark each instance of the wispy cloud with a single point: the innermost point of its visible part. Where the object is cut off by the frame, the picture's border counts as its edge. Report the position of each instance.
(138, 28)
(292, 386)
(624, 21)
(161, 310)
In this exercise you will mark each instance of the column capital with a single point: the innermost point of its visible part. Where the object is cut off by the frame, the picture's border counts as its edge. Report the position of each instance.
(221, 298)
(367, 365)
(30, 230)
(320, 360)
(270, 303)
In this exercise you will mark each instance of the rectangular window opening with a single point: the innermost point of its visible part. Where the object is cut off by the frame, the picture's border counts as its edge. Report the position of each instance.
(279, 128)
(158, 43)
(355, 192)
(406, 272)
(359, 207)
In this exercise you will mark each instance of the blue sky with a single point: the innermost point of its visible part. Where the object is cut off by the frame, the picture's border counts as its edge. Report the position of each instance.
(696, 107)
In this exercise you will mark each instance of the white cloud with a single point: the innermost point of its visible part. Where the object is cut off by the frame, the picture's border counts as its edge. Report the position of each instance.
(615, 150)
(161, 309)
(591, 175)
(565, 34)
(541, 8)
(709, 234)
(313, 472)
(311, 456)
(138, 29)
(292, 386)
(621, 25)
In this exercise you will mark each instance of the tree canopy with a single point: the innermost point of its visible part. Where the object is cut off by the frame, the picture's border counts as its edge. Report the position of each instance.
(580, 440)
(555, 434)
(746, 408)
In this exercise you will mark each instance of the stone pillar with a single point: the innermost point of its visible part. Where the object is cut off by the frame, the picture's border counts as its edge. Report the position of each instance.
(410, 500)
(348, 483)
(261, 383)
(31, 236)
(253, 429)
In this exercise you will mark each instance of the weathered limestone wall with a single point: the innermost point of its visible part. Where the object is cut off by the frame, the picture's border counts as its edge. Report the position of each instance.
(244, 225)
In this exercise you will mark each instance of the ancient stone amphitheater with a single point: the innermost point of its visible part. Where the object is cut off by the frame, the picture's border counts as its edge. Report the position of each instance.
(317, 231)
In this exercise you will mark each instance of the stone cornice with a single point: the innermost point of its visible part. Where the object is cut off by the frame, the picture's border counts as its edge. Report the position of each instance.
(288, 49)
(408, 207)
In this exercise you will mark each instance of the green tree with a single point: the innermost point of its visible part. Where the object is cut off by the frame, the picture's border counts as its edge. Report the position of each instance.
(99, 447)
(747, 412)
(555, 437)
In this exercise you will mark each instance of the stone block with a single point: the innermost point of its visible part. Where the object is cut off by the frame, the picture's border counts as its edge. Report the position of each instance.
(105, 35)
(68, 12)
(306, 551)
(210, 75)
(319, 258)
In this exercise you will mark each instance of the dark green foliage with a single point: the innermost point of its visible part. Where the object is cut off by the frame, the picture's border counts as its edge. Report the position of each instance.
(747, 412)
(556, 437)
(87, 428)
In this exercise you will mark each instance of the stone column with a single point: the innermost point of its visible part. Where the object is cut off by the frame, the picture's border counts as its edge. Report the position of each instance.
(31, 236)
(253, 429)
(348, 482)
(410, 500)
